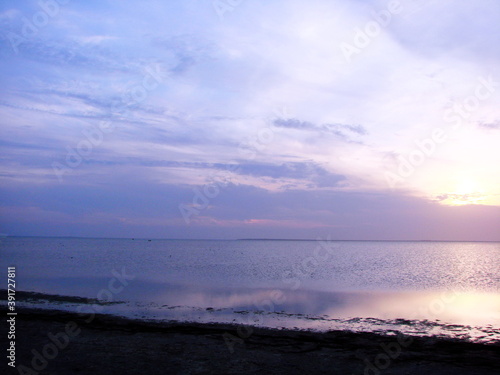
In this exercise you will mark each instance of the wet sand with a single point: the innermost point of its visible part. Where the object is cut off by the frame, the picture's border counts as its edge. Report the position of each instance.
(69, 343)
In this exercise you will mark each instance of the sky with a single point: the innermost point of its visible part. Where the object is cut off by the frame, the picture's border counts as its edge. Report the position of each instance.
(227, 119)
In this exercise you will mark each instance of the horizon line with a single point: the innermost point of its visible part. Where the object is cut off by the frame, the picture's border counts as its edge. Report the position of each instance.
(243, 239)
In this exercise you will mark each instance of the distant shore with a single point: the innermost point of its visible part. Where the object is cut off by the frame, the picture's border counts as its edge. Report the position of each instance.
(56, 342)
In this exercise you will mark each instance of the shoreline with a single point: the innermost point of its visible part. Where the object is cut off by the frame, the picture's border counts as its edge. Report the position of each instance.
(107, 344)
(486, 332)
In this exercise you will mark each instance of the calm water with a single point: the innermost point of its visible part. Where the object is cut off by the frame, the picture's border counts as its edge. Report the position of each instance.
(428, 288)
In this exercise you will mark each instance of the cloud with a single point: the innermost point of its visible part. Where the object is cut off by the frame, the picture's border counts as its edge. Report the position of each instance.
(344, 131)
(292, 169)
(457, 199)
(490, 125)
(188, 49)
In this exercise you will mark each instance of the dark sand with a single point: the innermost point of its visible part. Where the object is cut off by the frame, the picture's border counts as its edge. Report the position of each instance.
(112, 345)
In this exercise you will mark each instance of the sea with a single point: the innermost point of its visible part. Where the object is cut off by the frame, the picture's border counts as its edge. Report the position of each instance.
(420, 288)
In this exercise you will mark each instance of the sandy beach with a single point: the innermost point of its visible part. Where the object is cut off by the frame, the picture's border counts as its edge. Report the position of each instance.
(55, 342)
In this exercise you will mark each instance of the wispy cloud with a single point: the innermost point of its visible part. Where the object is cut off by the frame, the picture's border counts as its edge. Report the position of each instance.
(342, 130)
(490, 125)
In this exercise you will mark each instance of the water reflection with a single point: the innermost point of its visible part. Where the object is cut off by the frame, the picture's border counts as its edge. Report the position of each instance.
(460, 314)
(453, 306)
(460, 307)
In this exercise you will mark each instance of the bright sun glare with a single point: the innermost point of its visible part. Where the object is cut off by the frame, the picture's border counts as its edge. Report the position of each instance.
(466, 192)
